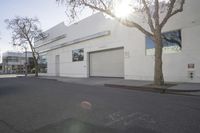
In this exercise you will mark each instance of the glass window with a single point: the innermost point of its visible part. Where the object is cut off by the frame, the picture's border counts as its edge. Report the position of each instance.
(171, 42)
(43, 64)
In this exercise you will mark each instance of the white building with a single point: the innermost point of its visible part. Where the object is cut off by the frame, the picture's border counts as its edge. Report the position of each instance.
(0, 56)
(99, 46)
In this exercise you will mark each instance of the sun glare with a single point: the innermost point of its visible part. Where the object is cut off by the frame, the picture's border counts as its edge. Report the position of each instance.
(122, 9)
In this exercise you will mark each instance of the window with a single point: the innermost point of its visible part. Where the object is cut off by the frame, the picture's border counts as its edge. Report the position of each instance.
(171, 43)
(78, 55)
(43, 64)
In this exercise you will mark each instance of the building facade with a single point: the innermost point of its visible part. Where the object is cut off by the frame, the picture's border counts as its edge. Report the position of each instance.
(100, 46)
(14, 62)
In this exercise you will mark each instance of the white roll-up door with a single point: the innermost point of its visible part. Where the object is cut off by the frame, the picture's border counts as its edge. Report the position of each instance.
(108, 63)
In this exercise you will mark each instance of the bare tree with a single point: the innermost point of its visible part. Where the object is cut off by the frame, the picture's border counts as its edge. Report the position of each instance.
(24, 31)
(155, 13)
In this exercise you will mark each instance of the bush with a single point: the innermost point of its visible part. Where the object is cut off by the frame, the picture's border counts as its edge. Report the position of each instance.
(33, 70)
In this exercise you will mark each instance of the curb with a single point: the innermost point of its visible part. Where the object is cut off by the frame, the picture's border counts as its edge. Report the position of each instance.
(183, 94)
(33, 77)
(139, 88)
(154, 89)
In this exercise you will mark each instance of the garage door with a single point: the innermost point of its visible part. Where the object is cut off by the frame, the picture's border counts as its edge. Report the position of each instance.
(109, 63)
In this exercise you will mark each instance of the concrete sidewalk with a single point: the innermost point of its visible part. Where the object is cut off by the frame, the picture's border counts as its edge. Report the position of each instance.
(177, 88)
(10, 75)
(99, 81)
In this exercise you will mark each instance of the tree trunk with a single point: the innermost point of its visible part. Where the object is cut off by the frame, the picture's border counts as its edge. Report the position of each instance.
(158, 73)
(36, 69)
(35, 65)
(34, 58)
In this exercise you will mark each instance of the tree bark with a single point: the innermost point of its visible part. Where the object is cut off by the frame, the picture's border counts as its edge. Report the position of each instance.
(34, 58)
(35, 65)
(158, 72)
(36, 69)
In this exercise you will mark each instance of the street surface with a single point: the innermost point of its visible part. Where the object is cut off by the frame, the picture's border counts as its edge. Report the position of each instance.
(31, 105)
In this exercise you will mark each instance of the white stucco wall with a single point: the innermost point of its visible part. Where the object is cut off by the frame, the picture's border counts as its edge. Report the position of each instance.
(137, 65)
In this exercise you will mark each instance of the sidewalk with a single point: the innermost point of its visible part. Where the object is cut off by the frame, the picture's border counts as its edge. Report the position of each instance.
(98, 81)
(175, 88)
(10, 75)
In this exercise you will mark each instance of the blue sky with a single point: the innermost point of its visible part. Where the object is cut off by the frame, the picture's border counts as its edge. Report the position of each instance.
(47, 11)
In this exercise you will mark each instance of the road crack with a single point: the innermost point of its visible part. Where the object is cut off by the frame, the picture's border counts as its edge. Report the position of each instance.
(11, 127)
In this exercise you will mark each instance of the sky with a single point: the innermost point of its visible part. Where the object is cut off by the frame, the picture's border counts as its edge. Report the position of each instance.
(48, 12)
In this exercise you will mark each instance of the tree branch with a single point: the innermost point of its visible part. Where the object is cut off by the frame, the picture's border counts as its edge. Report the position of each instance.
(124, 22)
(170, 8)
(178, 10)
(104, 5)
(136, 25)
(150, 22)
(156, 14)
(170, 12)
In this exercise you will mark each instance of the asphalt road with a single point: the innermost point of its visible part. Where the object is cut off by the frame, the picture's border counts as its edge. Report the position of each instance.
(30, 105)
